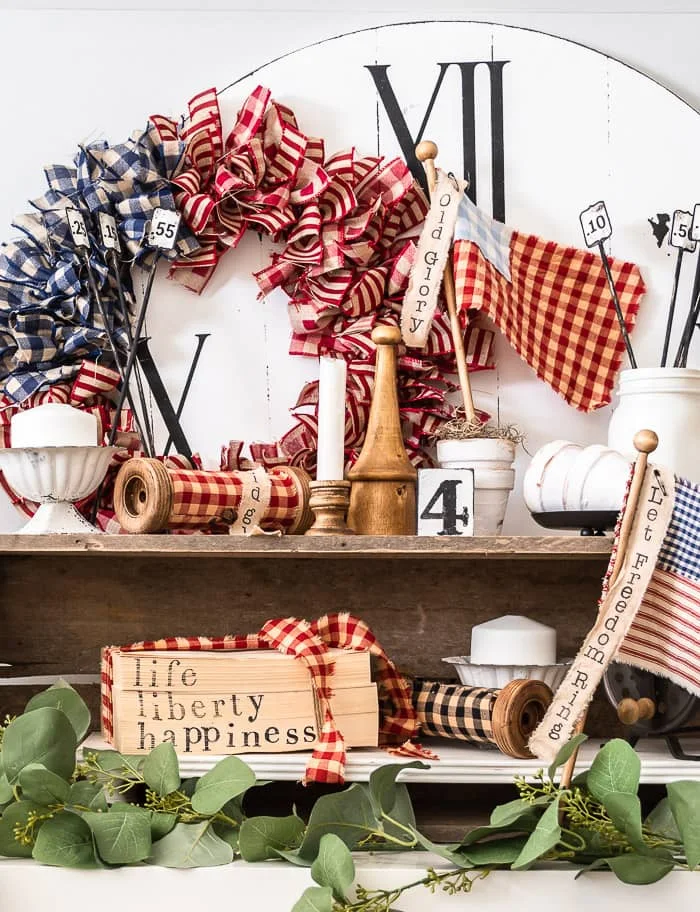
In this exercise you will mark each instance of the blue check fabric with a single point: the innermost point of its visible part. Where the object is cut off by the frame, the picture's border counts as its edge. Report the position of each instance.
(491, 237)
(680, 552)
(49, 323)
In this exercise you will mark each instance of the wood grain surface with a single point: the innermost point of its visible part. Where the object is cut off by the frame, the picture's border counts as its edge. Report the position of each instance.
(60, 608)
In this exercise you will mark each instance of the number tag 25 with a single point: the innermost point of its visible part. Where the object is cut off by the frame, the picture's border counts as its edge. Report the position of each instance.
(446, 502)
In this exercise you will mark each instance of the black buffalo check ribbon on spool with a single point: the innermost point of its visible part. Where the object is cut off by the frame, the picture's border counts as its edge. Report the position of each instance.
(498, 718)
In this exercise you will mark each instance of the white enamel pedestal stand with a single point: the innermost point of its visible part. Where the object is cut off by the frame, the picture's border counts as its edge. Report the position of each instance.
(55, 478)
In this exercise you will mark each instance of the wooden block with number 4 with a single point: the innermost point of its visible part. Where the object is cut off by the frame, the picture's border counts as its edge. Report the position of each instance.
(446, 502)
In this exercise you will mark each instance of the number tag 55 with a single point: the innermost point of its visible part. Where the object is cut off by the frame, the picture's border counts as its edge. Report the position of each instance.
(164, 227)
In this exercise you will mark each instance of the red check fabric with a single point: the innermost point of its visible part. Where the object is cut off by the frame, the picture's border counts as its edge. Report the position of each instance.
(555, 308)
(309, 643)
(202, 498)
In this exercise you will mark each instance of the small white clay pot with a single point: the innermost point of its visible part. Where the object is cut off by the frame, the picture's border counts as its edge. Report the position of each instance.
(494, 476)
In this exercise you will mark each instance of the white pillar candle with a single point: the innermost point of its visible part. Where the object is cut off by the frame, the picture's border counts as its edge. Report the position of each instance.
(51, 425)
(331, 420)
(513, 640)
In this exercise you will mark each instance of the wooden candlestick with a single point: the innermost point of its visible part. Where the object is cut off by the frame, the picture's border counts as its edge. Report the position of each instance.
(383, 497)
(329, 503)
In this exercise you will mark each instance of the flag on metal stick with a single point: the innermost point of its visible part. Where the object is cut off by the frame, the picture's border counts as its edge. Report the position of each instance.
(551, 302)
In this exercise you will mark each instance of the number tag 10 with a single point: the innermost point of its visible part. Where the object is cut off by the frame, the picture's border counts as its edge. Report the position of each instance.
(446, 502)
(164, 227)
(595, 223)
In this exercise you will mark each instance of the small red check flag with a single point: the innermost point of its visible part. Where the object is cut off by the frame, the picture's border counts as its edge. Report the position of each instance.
(551, 302)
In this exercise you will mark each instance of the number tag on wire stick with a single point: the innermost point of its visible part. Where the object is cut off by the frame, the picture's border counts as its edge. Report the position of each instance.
(681, 229)
(595, 223)
(108, 230)
(695, 227)
(78, 231)
(164, 228)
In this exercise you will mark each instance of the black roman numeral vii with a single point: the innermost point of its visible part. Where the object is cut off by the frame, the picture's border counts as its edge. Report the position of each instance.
(408, 142)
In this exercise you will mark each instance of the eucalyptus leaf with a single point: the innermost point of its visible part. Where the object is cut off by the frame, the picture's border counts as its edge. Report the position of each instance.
(348, 814)
(565, 752)
(639, 869)
(544, 837)
(525, 824)
(191, 845)
(315, 899)
(14, 815)
(382, 784)
(616, 768)
(108, 760)
(224, 831)
(41, 785)
(401, 814)
(662, 822)
(87, 796)
(66, 841)
(625, 811)
(333, 866)
(495, 851)
(506, 815)
(261, 838)
(6, 793)
(63, 697)
(161, 769)
(684, 798)
(162, 823)
(122, 834)
(41, 736)
(228, 779)
(452, 853)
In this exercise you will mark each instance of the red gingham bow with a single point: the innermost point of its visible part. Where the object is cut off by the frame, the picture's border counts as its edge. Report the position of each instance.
(251, 179)
(309, 643)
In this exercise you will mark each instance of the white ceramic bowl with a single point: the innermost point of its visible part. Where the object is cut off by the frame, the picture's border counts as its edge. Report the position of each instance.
(496, 676)
(55, 478)
(55, 473)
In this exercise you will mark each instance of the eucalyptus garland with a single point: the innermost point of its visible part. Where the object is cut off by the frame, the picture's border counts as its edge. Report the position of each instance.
(112, 809)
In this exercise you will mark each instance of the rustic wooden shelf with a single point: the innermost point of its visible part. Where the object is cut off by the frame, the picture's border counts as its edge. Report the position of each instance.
(458, 763)
(299, 546)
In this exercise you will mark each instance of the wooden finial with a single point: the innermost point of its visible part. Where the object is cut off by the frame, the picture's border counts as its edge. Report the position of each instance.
(386, 335)
(383, 495)
(426, 152)
(645, 441)
(631, 711)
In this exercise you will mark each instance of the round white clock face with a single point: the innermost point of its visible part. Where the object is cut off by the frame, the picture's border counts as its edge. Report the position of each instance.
(544, 127)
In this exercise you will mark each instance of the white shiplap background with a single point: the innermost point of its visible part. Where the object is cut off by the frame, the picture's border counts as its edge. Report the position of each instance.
(579, 126)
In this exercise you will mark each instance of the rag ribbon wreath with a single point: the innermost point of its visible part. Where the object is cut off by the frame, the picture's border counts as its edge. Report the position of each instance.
(346, 225)
(309, 643)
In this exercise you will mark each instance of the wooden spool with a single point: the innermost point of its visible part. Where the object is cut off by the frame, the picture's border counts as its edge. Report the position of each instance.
(519, 708)
(144, 498)
(383, 496)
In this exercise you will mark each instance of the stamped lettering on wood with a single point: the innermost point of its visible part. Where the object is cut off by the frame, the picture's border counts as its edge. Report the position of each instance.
(446, 502)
